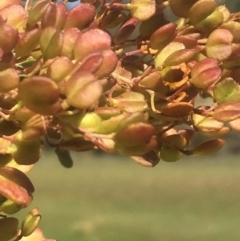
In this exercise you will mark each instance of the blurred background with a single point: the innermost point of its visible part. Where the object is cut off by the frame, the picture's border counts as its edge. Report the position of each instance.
(107, 197)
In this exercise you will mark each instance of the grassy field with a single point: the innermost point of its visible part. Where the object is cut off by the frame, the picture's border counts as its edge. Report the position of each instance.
(108, 198)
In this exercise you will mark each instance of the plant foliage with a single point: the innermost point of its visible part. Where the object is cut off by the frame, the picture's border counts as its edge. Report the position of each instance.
(112, 76)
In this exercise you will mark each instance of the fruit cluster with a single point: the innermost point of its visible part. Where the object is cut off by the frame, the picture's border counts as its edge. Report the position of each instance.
(112, 76)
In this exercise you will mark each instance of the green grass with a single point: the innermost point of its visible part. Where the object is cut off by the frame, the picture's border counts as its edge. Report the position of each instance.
(108, 198)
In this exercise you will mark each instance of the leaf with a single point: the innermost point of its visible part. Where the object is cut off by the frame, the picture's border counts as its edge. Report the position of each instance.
(226, 90)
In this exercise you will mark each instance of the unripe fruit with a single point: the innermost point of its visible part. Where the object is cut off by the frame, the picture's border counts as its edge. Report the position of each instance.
(10, 207)
(40, 94)
(30, 222)
(83, 90)
(25, 152)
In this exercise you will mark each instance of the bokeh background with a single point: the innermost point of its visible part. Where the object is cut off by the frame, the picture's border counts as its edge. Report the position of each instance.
(107, 197)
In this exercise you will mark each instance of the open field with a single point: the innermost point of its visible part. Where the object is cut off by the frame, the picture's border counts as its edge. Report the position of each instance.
(107, 198)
